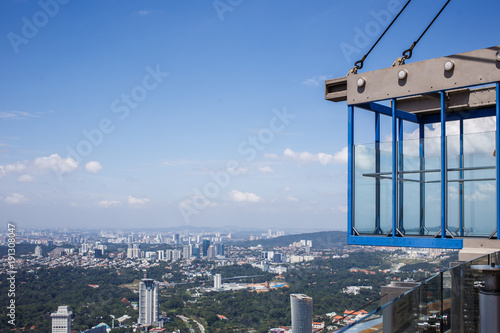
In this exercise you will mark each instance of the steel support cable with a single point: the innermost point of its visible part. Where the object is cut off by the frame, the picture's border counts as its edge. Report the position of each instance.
(359, 64)
(408, 52)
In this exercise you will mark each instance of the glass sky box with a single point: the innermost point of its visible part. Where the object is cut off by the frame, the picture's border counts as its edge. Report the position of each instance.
(422, 160)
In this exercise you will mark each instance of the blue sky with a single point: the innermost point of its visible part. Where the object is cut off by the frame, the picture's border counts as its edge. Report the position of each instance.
(205, 113)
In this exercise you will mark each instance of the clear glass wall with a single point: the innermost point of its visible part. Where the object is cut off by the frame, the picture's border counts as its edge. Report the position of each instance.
(471, 191)
(446, 302)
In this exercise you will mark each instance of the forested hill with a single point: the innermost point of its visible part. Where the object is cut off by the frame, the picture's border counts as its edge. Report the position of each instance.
(320, 240)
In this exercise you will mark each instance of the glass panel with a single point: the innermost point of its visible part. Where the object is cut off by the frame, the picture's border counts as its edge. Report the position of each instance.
(410, 187)
(386, 187)
(446, 302)
(471, 186)
(364, 188)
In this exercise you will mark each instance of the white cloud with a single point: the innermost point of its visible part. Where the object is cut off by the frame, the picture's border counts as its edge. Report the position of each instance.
(137, 201)
(40, 165)
(12, 168)
(178, 162)
(55, 162)
(26, 179)
(291, 198)
(16, 115)
(15, 198)
(108, 203)
(315, 81)
(93, 166)
(265, 169)
(237, 171)
(323, 158)
(238, 196)
(271, 156)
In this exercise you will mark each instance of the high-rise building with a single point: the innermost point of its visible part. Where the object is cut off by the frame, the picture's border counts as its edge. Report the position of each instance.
(217, 282)
(176, 255)
(148, 302)
(205, 245)
(61, 320)
(196, 251)
(211, 252)
(219, 249)
(38, 251)
(277, 258)
(186, 251)
(302, 306)
(130, 251)
(136, 251)
(176, 238)
(161, 255)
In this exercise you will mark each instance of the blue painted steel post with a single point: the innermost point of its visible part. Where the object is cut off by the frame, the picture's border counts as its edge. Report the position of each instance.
(377, 230)
(444, 168)
(350, 169)
(394, 169)
(461, 184)
(401, 168)
(421, 134)
(497, 108)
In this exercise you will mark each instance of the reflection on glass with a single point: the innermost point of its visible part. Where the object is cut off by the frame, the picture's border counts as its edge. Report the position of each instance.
(446, 302)
(471, 191)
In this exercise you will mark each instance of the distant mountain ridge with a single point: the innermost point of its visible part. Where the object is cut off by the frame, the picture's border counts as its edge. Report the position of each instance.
(320, 240)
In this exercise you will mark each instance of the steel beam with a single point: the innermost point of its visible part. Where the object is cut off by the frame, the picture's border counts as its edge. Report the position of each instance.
(467, 69)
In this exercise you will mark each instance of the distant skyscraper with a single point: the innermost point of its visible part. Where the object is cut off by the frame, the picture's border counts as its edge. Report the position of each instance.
(136, 251)
(219, 249)
(217, 282)
(176, 255)
(277, 258)
(130, 251)
(302, 306)
(176, 238)
(196, 251)
(61, 320)
(38, 251)
(161, 255)
(84, 249)
(186, 251)
(211, 252)
(148, 302)
(205, 245)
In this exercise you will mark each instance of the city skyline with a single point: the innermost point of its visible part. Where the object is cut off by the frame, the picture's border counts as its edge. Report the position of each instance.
(159, 115)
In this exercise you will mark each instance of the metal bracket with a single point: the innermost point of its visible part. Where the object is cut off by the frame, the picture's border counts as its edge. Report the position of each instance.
(493, 234)
(448, 233)
(426, 231)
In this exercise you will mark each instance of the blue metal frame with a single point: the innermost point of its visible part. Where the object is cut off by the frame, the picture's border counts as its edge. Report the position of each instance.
(461, 184)
(389, 111)
(400, 182)
(421, 135)
(394, 169)
(444, 168)
(397, 118)
(350, 170)
(449, 243)
(377, 230)
(497, 113)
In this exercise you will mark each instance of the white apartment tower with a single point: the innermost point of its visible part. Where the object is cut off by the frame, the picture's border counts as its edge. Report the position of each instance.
(186, 251)
(61, 320)
(217, 282)
(38, 251)
(148, 302)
